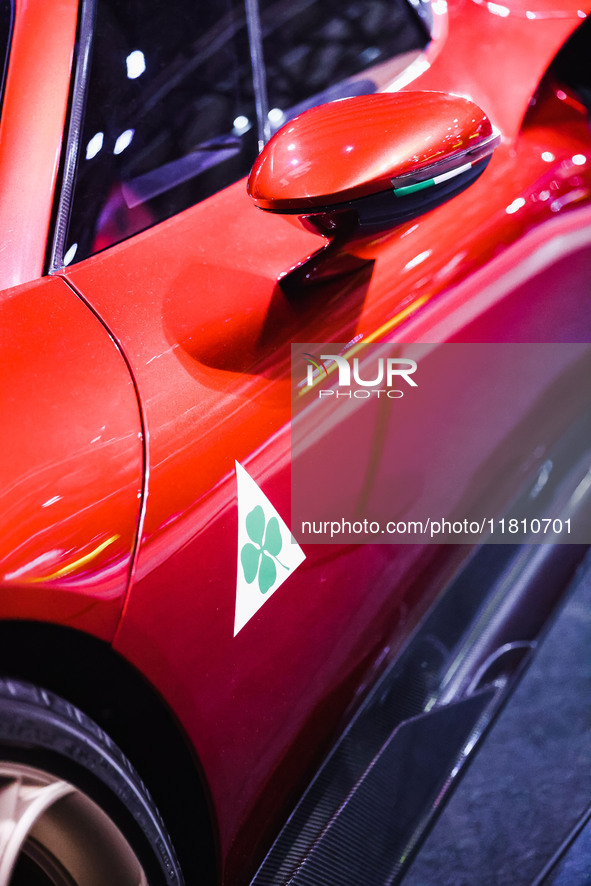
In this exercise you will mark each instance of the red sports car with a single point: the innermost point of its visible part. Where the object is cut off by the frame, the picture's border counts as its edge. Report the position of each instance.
(186, 696)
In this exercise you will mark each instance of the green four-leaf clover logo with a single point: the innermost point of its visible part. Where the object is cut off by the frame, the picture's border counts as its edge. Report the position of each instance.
(259, 558)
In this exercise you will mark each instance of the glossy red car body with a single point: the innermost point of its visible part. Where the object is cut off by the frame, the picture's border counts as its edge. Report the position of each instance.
(133, 380)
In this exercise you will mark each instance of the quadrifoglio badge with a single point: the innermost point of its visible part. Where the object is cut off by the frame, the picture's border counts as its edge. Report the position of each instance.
(267, 552)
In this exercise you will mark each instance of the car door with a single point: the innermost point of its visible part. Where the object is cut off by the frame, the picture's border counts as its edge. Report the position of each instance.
(194, 303)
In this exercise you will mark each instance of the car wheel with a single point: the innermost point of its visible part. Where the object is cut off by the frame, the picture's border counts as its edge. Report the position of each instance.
(73, 811)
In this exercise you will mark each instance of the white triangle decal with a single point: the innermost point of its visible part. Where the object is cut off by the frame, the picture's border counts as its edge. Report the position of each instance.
(267, 552)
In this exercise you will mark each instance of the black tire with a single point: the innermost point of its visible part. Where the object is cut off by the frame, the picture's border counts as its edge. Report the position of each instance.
(50, 749)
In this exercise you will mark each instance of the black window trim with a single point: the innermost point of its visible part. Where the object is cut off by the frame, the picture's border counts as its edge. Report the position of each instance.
(259, 77)
(67, 177)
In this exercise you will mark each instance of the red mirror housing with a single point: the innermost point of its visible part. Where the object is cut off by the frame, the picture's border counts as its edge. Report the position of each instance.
(365, 164)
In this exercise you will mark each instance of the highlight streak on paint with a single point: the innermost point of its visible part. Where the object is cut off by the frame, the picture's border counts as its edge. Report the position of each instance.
(75, 564)
(391, 324)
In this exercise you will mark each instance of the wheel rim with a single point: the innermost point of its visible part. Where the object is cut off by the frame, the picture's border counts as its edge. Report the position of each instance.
(52, 834)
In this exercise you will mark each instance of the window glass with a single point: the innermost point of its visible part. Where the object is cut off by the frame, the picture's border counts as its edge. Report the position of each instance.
(168, 116)
(313, 47)
(170, 110)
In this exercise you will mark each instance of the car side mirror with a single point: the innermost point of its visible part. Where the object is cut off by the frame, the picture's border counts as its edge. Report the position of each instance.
(362, 165)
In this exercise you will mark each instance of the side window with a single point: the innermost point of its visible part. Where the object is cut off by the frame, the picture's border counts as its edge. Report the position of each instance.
(170, 115)
(313, 48)
(169, 88)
